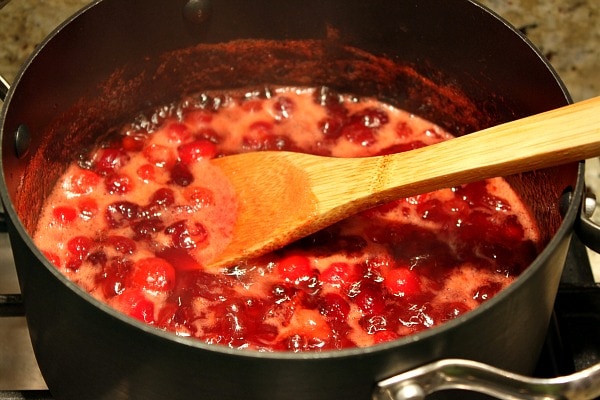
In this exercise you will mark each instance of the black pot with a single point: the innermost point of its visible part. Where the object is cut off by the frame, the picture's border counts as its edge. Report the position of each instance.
(452, 62)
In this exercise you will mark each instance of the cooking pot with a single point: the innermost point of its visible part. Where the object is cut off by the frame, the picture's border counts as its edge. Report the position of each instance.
(452, 62)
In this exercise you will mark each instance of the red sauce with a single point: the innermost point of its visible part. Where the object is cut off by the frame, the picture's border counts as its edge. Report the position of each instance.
(134, 221)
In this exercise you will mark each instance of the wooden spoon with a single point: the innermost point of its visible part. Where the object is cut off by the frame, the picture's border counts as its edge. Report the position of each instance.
(284, 196)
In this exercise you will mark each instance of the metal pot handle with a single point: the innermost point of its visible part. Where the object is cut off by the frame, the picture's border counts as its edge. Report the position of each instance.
(482, 378)
(4, 86)
(587, 230)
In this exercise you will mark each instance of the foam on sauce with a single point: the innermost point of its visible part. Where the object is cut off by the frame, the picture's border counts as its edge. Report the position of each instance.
(135, 220)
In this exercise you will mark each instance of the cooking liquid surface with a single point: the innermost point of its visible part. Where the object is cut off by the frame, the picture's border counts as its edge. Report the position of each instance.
(133, 222)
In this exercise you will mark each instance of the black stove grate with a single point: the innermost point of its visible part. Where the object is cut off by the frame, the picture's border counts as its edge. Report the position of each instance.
(571, 344)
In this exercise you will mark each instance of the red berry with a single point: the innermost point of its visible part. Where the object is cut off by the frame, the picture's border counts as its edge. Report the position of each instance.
(402, 282)
(181, 175)
(109, 160)
(147, 172)
(64, 214)
(199, 195)
(162, 198)
(145, 229)
(118, 184)
(88, 208)
(295, 268)
(122, 244)
(252, 105)
(153, 274)
(177, 132)
(197, 150)
(82, 182)
(133, 303)
(133, 142)
(120, 213)
(52, 257)
(160, 156)
(370, 300)
(334, 307)
(283, 108)
(180, 259)
(79, 246)
(359, 134)
(384, 336)
(403, 130)
(181, 236)
(340, 274)
(197, 117)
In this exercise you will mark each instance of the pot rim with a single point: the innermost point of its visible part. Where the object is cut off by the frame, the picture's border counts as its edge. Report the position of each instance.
(564, 230)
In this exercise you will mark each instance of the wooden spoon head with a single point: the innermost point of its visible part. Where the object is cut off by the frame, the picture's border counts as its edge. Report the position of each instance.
(275, 202)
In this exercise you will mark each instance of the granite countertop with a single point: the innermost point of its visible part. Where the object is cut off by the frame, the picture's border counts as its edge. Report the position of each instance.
(566, 31)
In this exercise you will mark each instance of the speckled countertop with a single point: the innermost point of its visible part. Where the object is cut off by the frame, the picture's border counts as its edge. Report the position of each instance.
(566, 31)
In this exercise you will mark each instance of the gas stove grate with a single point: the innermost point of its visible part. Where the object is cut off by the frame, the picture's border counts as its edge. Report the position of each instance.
(11, 305)
(26, 395)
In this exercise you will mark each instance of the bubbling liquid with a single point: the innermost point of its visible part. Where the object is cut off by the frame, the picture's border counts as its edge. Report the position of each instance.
(134, 221)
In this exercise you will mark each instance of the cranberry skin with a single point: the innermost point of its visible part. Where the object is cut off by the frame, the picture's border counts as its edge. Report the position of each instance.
(486, 292)
(109, 160)
(199, 196)
(181, 175)
(187, 235)
(356, 132)
(88, 208)
(196, 150)
(340, 274)
(160, 156)
(121, 244)
(52, 257)
(118, 184)
(334, 307)
(79, 246)
(370, 300)
(146, 172)
(371, 117)
(114, 275)
(153, 274)
(180, 235)
(82, 182)
(283, 108)
(384, 336)
(64, 214)
(180, 259)
(402, 282)
(295, 268)
(134, 303)
(146, 228)
(98, 257)
(133, 142)
(177, 132)
(197, 117)
(120, 213)
(363, 125)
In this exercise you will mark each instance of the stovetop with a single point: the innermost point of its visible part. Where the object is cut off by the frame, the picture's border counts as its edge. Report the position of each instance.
(571, 344)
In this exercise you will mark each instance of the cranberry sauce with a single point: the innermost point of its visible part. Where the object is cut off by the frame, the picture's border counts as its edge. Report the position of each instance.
(134, 221)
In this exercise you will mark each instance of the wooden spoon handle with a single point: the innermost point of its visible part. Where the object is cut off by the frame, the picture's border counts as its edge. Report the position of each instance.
(556, 137)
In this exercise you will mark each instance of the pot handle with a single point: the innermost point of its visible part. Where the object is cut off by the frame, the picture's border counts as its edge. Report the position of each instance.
(4, 86)
(587, 230)
(482, 378)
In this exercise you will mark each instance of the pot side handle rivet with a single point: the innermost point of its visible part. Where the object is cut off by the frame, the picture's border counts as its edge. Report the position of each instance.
(197, 11)
(22, 141)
